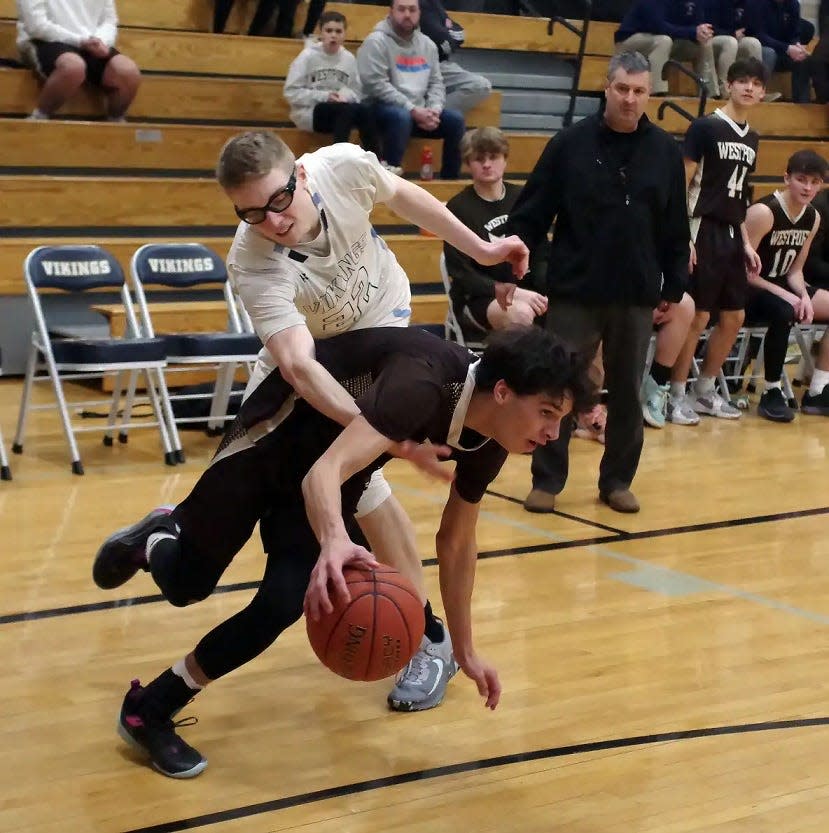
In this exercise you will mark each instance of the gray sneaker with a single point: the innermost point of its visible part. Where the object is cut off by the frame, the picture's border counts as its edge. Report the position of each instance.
(680, 411)
(712, 404)
(422, 683)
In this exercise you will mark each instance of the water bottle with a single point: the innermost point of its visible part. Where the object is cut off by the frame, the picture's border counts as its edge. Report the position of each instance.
(426, 171)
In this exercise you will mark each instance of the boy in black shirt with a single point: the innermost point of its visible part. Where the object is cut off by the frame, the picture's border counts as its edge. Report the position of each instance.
(720, 152)
(280, 459)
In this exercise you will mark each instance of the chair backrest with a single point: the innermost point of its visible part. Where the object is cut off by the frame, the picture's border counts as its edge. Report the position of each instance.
(182, 265)
(72, 268)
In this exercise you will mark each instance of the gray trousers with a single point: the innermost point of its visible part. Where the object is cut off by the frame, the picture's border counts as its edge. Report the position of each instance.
(624, 333)
(464, 89)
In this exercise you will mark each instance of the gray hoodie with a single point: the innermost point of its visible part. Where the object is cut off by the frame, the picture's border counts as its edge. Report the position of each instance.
(402, 72)
(313, 76)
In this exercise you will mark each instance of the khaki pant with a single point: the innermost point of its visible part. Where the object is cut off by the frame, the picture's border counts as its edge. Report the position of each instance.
(659, 49)
(727, 49)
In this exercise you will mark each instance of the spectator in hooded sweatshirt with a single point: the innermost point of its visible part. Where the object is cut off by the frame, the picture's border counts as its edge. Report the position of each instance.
(670, 29)
(464, 89)
(323, 88)
(69, 42)
(777, 25)
(401, 77)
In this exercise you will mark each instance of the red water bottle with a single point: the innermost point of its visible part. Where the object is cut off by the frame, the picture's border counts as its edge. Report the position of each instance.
(426, 171)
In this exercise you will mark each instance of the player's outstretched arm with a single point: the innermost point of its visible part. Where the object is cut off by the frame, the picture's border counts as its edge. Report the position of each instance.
(358, 445)
(418, 206)
(294, 352)
(457, 552)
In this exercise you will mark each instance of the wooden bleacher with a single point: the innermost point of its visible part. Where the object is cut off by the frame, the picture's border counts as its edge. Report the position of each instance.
(183, 99)
(233, 81)
(417, 254)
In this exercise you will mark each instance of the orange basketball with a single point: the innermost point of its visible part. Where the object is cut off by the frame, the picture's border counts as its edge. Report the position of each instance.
(376, 633)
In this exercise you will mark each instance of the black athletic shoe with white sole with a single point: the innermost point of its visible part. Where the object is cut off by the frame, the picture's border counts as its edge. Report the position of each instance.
(154, 734)
(122, 555)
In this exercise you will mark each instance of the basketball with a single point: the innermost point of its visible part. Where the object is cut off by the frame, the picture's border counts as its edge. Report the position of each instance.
(375, 634)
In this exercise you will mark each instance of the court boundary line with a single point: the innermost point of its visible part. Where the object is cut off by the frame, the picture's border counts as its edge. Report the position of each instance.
(358, 787)
(528, 549)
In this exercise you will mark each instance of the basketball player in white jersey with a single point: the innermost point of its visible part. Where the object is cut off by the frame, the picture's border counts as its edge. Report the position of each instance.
(307, 263)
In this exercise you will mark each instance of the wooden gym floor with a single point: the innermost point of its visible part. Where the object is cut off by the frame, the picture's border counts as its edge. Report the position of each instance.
(662, 672)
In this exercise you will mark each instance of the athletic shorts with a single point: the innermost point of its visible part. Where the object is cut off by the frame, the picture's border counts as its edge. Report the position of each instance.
(763, 306)
(46, 53)
(719, 281)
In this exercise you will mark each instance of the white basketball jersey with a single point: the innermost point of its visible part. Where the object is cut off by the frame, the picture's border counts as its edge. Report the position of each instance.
(347, 278)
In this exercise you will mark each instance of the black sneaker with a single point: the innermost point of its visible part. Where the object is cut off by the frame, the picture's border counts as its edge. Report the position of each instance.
(817, 405)
(155, 736)
(122, 555)
(773, 406)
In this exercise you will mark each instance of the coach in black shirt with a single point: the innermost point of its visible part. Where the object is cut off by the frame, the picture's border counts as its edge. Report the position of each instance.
(614, 186)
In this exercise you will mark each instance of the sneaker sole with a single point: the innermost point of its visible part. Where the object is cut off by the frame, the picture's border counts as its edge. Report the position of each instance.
(775, 417)
(134, 744)
(813, 410)
(717, 414)
(118, 548)
(423, 705)
(683, 421)
(649, 420)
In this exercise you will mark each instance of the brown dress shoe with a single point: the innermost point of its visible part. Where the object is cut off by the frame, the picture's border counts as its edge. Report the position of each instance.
(620, 500)
(540, 501)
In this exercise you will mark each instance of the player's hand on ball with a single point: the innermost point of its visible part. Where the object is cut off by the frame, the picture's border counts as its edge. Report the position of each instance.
(484, 676)
(327, 576)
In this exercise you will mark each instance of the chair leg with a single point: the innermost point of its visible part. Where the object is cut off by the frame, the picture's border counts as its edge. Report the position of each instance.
(152, 392)
(63, 409)
(128, 404)
(118, 386)
(25, 399)
(5, 471)
(221, 398)
(167, 408)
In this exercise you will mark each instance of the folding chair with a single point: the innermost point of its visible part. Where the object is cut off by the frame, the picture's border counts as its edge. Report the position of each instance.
(189, 266)
(805, 335)
(452, 327)
(59, 354)
(5, 471)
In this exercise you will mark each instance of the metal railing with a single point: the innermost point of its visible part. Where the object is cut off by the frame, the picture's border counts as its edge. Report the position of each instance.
(581, 34)
(672, 105)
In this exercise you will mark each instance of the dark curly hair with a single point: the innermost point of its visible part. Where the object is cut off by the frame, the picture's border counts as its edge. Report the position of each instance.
(532, 360)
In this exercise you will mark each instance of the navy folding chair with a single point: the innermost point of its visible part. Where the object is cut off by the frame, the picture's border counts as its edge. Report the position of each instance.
(58, 353)
(186, 267)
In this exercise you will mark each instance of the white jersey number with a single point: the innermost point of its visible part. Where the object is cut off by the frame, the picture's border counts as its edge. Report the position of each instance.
(735, 182)
(783, 260)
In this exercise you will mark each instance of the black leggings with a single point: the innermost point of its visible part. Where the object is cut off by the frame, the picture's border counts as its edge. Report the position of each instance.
(219, 516)
(764, 307)
(341, 117)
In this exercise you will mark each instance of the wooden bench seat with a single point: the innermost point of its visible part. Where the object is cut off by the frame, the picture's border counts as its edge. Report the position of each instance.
(181, 98)
(77, 202)
(418, 255)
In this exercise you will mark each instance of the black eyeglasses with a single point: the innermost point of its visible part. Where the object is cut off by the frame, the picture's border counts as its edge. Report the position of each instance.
(277, 202)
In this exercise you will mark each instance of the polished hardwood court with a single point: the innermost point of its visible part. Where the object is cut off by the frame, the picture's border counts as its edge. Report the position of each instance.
(663, 672)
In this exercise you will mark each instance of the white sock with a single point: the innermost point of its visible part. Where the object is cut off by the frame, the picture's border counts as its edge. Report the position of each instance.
(771, 385)
(39, 115)
(152, 540)
(677, 390)
(180, 670)
(820, 379)
(704, 384)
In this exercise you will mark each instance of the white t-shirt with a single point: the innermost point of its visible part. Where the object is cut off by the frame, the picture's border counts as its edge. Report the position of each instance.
(346, 279)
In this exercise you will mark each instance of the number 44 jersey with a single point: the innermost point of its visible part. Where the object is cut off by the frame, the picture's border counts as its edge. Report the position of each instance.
(779, 248)
(725, 153)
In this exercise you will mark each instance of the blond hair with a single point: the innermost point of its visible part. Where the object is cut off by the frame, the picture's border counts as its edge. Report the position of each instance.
(251, 156)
